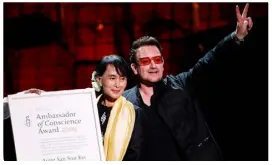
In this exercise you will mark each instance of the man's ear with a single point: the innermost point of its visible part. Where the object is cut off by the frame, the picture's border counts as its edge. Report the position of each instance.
(134, 68)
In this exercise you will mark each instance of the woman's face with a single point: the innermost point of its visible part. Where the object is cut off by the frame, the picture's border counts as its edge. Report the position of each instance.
(112, 83)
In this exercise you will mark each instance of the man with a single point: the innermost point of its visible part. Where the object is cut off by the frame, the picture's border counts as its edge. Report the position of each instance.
(174, 127)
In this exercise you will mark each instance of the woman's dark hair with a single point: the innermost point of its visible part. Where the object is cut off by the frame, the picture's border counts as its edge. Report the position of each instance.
(143, 41)
(118, 62)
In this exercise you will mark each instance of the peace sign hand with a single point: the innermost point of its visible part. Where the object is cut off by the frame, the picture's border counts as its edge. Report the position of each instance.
(244, 23)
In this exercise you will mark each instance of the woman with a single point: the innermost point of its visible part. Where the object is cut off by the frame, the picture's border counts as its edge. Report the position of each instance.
(117, 115)
(121, 132)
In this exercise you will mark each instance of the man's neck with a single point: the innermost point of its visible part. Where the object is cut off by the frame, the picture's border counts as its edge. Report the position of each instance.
(146, 93)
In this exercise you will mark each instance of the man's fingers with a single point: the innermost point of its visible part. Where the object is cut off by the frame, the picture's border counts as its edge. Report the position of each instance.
(250, 23)
(245, 24)
(244, 15)
(238, 14)
(37, 91)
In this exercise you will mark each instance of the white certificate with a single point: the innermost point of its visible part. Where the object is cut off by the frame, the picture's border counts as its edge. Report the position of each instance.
(56, 126)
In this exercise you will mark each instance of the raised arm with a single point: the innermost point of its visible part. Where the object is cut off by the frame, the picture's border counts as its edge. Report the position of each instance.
(231, 44)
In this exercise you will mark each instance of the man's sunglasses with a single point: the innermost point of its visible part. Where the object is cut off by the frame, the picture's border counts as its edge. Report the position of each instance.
(146, 60)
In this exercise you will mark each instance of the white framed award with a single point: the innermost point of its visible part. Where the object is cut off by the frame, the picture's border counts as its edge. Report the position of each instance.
(56, 126)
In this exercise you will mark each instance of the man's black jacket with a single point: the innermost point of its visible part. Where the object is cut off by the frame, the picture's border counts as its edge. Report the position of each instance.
(174, 104)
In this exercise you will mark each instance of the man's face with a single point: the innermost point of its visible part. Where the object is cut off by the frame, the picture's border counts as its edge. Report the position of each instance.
(149, 65)
(112, 83)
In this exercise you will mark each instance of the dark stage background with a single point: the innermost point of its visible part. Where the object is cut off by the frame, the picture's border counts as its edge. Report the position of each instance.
(55, 46)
